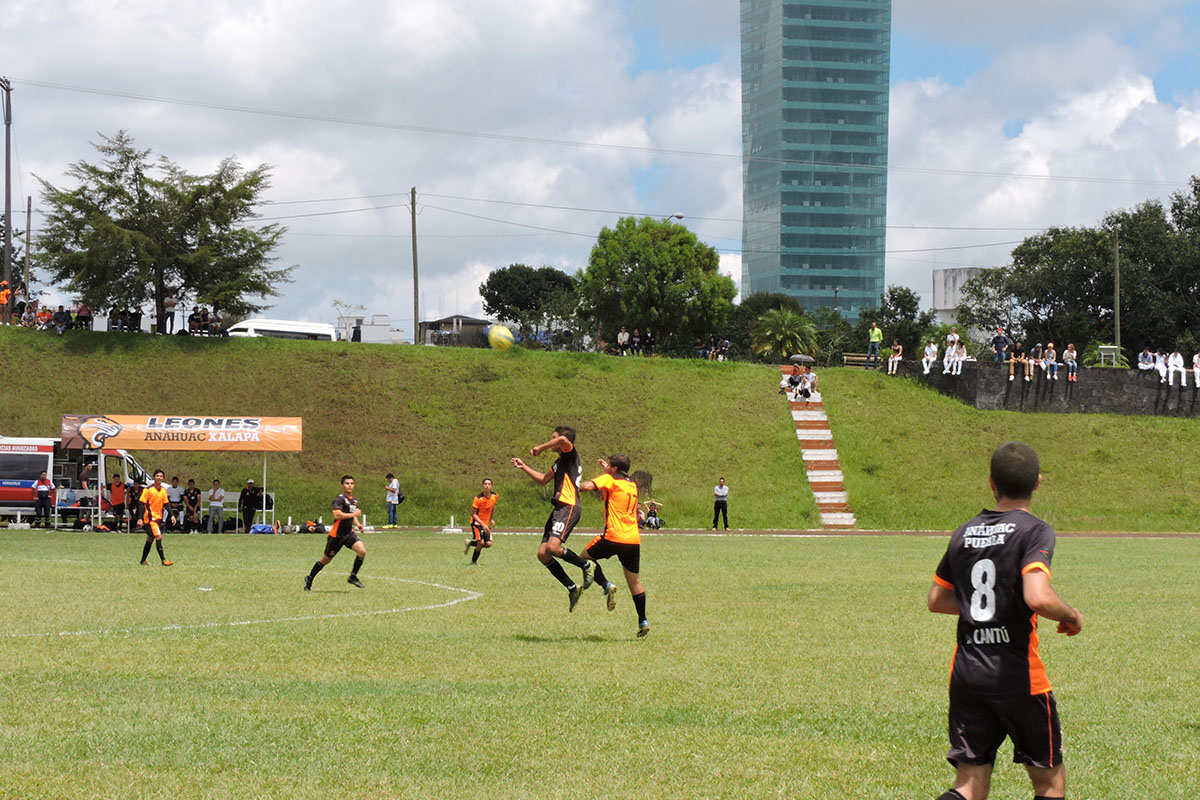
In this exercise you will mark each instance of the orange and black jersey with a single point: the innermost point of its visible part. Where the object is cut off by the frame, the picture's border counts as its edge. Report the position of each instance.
(567, 472)
(620, 495)
(984, 566)
(347, 505)
(154, 500)
(483, 507)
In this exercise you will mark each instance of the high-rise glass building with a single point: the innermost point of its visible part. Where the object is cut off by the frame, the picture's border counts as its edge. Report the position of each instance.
(814, 149)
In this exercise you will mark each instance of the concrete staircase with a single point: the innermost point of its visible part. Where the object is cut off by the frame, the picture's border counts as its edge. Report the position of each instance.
(821, 462)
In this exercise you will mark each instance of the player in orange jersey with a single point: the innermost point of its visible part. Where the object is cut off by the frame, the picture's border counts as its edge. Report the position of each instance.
(621, 537)
(482, 508)
(154, 499)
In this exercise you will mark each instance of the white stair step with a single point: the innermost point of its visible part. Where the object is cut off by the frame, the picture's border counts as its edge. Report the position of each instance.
(824, 475)
(837, 518)
(818, 455)
(815, 434)
(809, 416)
(830, 497)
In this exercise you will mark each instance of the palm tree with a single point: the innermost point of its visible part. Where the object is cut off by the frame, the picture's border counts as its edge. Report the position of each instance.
(784, 332)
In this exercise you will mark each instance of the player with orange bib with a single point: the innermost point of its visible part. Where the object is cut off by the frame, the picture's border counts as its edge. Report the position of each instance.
(621, 537)
(482, 508)
(154, 500)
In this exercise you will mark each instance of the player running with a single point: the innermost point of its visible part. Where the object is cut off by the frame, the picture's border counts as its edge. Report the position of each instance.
(346, 520)
(565, 473)
(621, 537)
(481, 520)
(154, 499)
(995, 577)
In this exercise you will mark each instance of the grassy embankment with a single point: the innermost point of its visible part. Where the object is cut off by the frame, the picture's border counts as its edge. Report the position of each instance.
(442, 419)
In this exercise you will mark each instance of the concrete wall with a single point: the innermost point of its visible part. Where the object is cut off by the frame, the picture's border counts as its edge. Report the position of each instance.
(1099, 390)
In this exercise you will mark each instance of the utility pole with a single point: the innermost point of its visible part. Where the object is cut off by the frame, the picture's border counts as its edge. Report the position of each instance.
(6, 87)
(1117, 285)
(28, 251)
(416, 303)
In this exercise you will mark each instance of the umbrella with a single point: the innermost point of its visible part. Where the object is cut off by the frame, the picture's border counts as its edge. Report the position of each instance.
(802, 357)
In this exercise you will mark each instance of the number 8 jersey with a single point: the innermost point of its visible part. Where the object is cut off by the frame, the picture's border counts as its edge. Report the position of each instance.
(984, 566)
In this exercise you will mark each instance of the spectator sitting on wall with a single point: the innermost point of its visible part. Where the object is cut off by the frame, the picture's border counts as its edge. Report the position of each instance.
(648, 343)
(896, 357)
(135, 319)
(1175, 364)
(1160, 364)
(1034, 358)
(790, 382)
(1196, 370)
(205, 321)
(1145, 360)
(1050, 361)
(700, 349)
(930, 356)
(713, 347)
(723, 349)
(1016, 356)
(635, 342)
(193, 321)
(1071, 361)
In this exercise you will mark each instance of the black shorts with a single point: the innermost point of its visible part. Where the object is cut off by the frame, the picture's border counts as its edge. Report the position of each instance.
(478, 533)
(979, 723)
(630, 555)
(561, 522)
(117, 509)
(335, 543)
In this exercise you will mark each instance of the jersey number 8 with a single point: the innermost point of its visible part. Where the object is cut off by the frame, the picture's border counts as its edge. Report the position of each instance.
(983, 599)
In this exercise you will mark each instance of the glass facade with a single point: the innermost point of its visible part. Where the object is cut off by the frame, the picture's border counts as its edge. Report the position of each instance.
(814, 150)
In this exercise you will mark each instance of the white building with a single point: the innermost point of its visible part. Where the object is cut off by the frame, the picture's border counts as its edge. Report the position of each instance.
(947, 291)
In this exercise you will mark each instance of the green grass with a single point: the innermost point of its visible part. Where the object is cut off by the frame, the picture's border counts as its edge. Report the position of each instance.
(776, 667)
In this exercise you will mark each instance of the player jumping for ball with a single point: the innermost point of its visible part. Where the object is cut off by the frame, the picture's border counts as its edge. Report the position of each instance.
(620, 537)
(995, 577)
(565, 473)
(481, 520)
(154, 499)
(346, 515)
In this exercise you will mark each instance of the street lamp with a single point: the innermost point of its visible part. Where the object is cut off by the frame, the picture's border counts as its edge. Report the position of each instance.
(676, 215)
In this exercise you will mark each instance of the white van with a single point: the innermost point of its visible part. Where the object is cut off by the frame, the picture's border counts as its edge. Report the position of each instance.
(23, 458)
(285, 329)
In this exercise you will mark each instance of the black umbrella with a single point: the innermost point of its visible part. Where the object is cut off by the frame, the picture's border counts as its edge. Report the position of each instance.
(802, 357)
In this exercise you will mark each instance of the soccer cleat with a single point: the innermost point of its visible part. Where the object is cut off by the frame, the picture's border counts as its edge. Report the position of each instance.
(466, 546)
(308, 583)
(573, 595)
(610, 595)
(145, 563)
(643, 628)
(589, 575)
(354, 581)
(168, 563)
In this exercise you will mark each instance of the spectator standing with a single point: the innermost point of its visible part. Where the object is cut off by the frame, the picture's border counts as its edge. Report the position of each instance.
(720, 503)
(5, 303)
(623, 341)
(874, 341)
(43, 500)
(1070, 361)
(1000, 347)
(249, 501)
(216, 507)
(648, 343)
(896, 357)
(1175, 364)
(172, 516)
(191, 507)
(392, 498)
(169, 306)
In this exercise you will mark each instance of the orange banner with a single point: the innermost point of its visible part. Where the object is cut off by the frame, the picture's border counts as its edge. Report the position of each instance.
(228, 434)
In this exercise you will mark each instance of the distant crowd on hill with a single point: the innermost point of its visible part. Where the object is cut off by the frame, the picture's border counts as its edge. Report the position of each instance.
(16, 311)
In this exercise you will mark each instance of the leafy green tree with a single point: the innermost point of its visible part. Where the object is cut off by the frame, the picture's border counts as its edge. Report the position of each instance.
(134, 230)
(899, 316)
(523, 296)
(743, 316)
(834, 336)
(783, 333)
(986, 303)
(649, 273)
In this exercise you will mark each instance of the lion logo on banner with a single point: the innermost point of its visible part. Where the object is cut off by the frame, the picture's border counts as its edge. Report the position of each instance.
(88, 430)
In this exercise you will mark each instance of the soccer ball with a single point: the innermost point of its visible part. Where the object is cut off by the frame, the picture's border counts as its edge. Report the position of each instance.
(500, 337)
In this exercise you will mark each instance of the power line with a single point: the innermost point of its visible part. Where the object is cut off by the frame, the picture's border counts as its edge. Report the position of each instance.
(584, 145)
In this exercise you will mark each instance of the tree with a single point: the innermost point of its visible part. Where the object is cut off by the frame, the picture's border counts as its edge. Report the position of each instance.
(134, 230)
(533, 299)
(899, 316)
(649, 273)
(743, 316)
(834, 333)
(986, 302)
(783, 332)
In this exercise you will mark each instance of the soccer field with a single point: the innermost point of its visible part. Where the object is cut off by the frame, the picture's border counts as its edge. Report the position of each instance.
(790, 667)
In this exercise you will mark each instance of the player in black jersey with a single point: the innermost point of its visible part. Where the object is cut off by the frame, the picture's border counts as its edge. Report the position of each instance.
(995, 577)
(566, 472)
(346, 521)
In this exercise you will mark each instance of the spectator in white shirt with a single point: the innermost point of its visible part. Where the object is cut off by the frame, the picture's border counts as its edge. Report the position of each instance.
(1071, 360)
(721, 503)
(1175, 364)
(1196, 369)
(1050, 361)
(1160, 364)
(930, 356)
(216, 507)
(1145, 360)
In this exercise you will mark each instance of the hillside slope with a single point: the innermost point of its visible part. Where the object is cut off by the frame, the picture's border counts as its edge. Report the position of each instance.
(440, 419)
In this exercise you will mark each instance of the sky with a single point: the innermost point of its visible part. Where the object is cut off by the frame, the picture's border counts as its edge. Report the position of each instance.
(528, 126)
